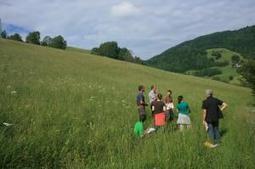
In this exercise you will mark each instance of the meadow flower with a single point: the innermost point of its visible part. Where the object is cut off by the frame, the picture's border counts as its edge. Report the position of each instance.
(13, 92)
(7, 124)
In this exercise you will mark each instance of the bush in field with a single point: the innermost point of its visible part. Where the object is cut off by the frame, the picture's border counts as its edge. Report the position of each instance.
(236, 61)
(230, 77)
(217, 54)
(208, 72)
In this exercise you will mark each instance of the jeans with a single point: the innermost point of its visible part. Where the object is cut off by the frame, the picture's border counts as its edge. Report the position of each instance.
(213, 132)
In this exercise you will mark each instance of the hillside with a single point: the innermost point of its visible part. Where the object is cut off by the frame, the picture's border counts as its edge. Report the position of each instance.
(227, 69)
(191, 54)
(75, 110)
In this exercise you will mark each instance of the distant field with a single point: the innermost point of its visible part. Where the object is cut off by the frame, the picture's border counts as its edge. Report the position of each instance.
(228, 70)
(229, 74)
(76, 110)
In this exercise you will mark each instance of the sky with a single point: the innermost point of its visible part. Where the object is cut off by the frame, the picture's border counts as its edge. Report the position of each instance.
(147, 27)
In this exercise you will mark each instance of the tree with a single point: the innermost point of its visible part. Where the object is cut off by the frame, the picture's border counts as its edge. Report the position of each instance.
(247, 70)
(33, 37)
(16, 37)
(138, 60)
(125, 54)
(58, 42)
(109, 49)
(47, 40)
(94, 51)
(4, 34)
(112, 50)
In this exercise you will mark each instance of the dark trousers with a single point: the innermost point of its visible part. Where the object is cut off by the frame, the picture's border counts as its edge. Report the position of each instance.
(142, 117)
(213, 132)
(142, 114)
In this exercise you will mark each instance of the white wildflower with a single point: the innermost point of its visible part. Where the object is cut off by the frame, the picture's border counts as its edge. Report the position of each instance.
(13, 92)
(7, 124)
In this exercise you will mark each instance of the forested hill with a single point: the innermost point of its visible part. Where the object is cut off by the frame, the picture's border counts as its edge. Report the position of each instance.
(191, 54)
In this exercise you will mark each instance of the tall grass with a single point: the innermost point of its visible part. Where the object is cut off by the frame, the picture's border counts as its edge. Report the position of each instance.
(75, 110)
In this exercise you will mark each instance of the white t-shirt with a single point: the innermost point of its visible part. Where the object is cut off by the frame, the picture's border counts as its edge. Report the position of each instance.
(169, 106)
(152, 96)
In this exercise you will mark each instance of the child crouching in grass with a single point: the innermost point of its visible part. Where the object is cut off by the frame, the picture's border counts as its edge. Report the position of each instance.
(138, 129)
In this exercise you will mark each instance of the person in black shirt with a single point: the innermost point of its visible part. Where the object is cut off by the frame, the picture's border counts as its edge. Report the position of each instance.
(212, 112)
(140, 101)
(158, 106)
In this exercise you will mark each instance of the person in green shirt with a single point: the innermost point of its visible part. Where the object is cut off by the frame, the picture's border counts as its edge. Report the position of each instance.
(183, 113)
(138, 129)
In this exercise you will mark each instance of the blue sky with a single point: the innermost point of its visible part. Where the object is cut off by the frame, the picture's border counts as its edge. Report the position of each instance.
(147, 27)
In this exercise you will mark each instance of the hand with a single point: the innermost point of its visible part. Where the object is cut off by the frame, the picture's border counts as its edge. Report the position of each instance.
(204, 122)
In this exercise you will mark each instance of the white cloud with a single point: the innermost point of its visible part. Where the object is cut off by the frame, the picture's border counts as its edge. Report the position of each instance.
(124, 9)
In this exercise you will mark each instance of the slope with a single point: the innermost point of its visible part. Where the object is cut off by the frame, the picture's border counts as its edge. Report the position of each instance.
(76, 110)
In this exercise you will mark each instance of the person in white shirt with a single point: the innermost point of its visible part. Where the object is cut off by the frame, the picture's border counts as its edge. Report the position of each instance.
(152, 95)
(169, 106)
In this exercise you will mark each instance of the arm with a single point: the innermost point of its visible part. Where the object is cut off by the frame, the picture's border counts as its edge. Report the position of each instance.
(152, 108)
(164, 108)
(204, 115)
(224, 106)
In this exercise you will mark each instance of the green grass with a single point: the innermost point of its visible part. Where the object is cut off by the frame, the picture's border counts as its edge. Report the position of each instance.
(228, 70)
(76, 110)
(74, 49)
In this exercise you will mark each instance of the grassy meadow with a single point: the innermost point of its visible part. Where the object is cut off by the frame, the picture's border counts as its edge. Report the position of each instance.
(75, 110)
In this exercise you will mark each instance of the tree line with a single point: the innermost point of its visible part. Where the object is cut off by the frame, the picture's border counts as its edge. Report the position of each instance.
(35, 38)
(108, 49)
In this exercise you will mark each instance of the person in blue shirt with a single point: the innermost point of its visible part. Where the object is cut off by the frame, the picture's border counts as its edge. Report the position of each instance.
(140, 101)
(183, 113)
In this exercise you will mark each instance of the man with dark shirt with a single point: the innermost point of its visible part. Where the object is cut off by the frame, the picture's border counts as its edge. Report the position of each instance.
(212, 112)
(140, 101)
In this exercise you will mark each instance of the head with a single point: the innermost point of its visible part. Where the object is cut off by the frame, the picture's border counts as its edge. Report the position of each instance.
(208, 92)
(141, 88)
(154, 88)
(159, 96)
(179, 99)
(169, 92)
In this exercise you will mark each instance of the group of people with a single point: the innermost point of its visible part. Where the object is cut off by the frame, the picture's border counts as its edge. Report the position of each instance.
(163, 112)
